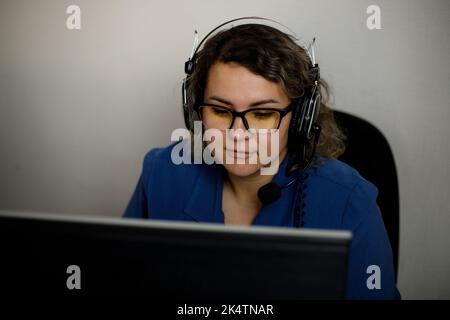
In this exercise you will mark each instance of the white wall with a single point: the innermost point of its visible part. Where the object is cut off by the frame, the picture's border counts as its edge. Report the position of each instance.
(79, 109)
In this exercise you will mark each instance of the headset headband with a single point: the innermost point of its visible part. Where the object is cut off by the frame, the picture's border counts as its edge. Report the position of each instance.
(189, 65)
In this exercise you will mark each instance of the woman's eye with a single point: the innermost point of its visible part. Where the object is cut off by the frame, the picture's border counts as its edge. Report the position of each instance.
(219, 111)
(263, 114)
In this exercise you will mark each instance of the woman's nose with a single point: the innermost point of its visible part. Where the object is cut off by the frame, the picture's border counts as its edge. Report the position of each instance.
(238, 131)
(238, 124)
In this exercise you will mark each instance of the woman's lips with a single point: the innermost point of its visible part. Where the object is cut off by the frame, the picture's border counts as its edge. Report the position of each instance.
(239, 154)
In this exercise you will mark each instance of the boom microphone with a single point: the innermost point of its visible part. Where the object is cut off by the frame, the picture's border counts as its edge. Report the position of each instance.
(271, 192)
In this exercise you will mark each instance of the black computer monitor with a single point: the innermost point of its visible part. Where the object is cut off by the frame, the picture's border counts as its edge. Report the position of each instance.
(126, 258)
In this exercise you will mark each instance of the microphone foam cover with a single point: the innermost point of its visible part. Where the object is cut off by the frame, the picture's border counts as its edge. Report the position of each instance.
(269, 193)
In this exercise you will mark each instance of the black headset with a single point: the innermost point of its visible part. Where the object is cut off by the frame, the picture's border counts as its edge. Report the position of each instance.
(304, 131)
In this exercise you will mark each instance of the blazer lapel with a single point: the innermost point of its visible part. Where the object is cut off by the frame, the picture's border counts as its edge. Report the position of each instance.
(203, 204)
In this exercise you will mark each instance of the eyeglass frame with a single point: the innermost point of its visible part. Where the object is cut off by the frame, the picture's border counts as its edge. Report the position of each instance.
(241, 114)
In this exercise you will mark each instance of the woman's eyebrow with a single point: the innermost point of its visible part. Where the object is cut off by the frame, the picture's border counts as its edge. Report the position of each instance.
(254, 104)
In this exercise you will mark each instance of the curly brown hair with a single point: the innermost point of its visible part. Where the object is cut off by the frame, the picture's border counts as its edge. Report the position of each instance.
(274, 55)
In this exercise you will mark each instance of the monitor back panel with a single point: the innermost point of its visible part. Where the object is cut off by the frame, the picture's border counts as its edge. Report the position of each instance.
(157, 260)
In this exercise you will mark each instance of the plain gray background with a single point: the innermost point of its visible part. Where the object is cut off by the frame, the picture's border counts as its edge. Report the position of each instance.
(79, 109)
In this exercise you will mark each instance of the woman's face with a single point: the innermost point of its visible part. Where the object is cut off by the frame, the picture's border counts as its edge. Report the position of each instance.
(234, 86)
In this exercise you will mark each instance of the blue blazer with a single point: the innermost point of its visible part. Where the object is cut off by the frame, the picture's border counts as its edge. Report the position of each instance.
(336, 197)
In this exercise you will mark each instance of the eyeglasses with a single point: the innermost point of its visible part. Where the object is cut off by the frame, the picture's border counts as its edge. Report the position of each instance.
(222, 118)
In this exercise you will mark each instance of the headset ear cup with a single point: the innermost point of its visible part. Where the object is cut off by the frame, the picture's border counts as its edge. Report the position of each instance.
(187, 106)
(294, 119)
(292, 136)
(297, 118)
(311, 112)
(304, 116)
(317, 100)
(295, 139)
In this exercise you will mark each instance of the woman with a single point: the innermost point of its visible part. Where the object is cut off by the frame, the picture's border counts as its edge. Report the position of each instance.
(252, 76)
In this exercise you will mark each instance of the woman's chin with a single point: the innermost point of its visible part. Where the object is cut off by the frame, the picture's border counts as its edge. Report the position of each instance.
(242, 170)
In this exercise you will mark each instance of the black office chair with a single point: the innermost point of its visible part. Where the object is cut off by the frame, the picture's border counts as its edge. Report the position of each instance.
(369, 152)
